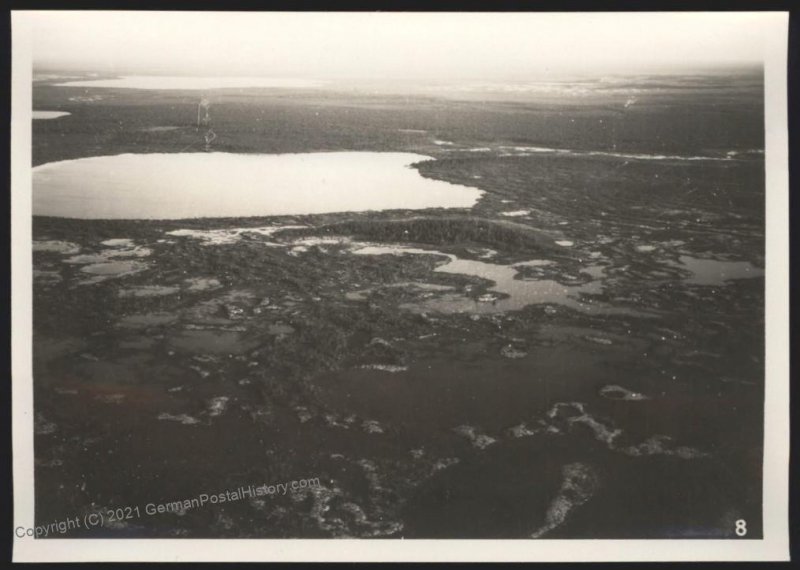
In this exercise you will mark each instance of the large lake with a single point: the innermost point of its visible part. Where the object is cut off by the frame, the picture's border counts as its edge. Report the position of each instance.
(190, 82)
(195, 185)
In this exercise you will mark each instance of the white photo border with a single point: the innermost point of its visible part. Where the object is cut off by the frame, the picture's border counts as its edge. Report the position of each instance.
(773, 547)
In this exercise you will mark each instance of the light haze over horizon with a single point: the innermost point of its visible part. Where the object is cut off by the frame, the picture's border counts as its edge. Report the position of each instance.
(387, 46)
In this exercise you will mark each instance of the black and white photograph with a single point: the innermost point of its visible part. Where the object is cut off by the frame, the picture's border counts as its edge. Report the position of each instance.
(464, 281)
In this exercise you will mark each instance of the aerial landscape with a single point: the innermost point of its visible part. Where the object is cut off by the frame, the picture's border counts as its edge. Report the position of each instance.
(529, 308)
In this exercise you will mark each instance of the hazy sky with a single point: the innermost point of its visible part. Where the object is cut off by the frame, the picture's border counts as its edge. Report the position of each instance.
(399, 45)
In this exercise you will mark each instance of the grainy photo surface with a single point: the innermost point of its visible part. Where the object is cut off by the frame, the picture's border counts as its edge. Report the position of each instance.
(399, 276)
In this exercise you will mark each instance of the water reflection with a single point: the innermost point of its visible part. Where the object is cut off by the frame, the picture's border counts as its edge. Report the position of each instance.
(509, 292)
(714, 272)
(191, 185)
(49, 114)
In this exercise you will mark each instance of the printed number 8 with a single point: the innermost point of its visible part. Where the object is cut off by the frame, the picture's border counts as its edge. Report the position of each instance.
(741, 527)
